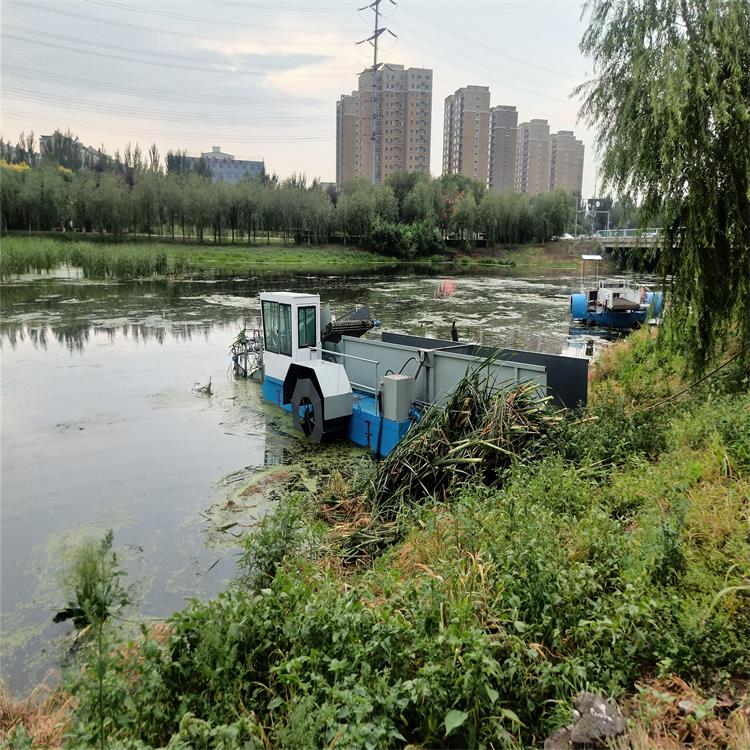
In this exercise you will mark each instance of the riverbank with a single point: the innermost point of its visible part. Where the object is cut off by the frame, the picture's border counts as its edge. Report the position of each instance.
(20, 255)
(608, 556)
(562, 254)
(132, 260)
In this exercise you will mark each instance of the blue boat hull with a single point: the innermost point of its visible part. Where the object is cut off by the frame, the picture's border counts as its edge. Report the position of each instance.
(614, 320)
(365, 427)
(580, 312)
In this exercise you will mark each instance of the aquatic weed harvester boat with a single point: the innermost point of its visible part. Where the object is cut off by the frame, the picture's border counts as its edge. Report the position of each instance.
(614, 304)
(336, 383)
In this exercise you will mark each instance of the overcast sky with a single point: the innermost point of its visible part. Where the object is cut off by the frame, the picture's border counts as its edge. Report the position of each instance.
(261, 79)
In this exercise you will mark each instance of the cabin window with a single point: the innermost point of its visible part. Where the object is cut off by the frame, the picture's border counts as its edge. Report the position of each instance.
(277, 327)
(271, 326)
(306, 327)
(285, 330)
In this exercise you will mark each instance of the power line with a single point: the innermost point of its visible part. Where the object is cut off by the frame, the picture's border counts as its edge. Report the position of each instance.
(161, 94)
(271, 6)
(227, 69)
(429, 46)
(174, 135)
(134, 26)
(115, 47)
(477, 43)
(484, 74)
(12, 92)
(204, 20)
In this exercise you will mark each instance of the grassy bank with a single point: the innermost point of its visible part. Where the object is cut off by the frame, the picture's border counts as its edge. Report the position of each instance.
(20, 255)
(138, 260)
(561, 254)
(607, 550)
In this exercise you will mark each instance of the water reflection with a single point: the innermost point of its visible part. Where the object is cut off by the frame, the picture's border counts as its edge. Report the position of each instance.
(275, 455)
(74, 338)
(445, 288)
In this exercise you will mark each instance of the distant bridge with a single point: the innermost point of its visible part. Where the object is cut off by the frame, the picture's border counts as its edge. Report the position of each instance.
(626, 239)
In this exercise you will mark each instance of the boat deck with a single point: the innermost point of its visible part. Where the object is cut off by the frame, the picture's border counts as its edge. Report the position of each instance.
(622, 303)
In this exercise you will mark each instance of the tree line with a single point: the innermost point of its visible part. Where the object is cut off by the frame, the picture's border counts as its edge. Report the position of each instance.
(407, 215)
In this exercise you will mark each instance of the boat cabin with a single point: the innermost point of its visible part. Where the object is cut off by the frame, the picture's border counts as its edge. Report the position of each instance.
(291, 330)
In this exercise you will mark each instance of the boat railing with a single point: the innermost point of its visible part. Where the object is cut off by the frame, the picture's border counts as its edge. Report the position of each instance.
(360, 386)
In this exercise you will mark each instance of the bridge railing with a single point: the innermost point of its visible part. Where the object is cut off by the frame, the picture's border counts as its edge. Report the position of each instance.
(628, 233)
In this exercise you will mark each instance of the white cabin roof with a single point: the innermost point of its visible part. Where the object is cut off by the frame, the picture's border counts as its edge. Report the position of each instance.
(289, 297)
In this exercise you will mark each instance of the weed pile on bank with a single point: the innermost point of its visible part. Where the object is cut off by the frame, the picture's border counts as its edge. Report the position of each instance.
(475, 437)
(619, 553)
(38, 721)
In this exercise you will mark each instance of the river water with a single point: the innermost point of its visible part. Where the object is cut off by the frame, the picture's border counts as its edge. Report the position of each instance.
(101, 427)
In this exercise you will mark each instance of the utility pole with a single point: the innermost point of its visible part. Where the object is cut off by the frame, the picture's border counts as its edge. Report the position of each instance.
(375, 131)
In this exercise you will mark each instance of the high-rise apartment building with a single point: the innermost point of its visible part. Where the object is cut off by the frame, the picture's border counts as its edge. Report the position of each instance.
(347, 136)
(401, 100)
(466, 132)
(502, 156)
(533, 148)
(566, 162)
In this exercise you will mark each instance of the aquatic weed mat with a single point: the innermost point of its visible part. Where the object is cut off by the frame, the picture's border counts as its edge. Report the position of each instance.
(248, 495)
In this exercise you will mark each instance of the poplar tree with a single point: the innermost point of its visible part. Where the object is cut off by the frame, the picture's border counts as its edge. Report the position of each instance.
(670, 101)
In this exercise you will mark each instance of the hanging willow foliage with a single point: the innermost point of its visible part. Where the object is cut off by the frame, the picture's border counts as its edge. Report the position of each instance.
(671, 104)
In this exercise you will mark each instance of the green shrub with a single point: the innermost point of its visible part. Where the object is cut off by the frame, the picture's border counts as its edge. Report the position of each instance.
(424, 240)
(282, 535)
(388, 239)
(405, 241)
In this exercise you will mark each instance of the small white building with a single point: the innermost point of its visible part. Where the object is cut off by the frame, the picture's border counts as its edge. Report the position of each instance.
(225, 168)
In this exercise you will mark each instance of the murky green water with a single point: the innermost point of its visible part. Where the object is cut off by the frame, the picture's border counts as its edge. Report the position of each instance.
(101, 428)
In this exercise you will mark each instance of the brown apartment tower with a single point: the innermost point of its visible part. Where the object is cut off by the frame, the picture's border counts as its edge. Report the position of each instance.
(402, 131)
(347, 136)
(502, 158)
(533, 147)
(566, 162)
(466, 132)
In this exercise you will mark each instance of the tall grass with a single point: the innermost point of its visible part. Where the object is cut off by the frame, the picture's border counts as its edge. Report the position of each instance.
(95, 261)
(103, 260)
(41, 720)
(30, 256)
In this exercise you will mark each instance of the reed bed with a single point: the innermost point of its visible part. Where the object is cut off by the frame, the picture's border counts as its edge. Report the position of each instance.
(478, 434)
(96, 261)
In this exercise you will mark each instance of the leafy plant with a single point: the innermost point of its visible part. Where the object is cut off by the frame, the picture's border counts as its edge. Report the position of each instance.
(97, 591)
